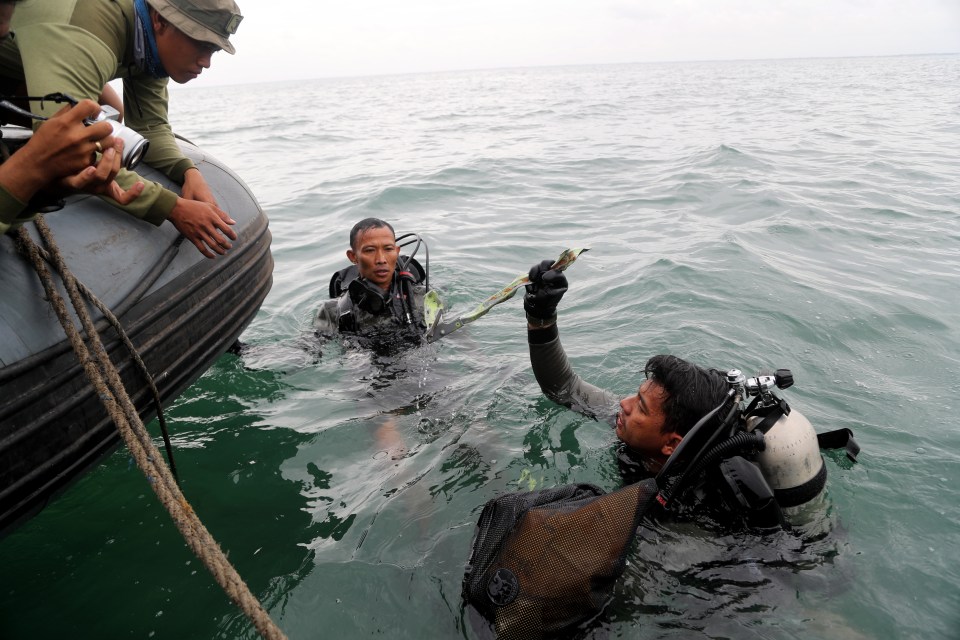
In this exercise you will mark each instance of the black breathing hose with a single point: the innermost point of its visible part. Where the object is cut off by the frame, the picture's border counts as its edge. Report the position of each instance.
(743, 442)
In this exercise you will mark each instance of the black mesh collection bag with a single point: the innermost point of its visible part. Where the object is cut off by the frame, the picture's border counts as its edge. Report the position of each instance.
(545, 561)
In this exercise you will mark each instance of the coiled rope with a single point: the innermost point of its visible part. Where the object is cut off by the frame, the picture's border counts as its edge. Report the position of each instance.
(104, 377)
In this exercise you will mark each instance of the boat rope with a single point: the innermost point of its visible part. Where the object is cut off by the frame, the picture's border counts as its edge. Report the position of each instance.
(137, 360)
(105, 379)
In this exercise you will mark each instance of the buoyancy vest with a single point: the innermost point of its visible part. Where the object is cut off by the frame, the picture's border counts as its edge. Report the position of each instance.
(364, 308)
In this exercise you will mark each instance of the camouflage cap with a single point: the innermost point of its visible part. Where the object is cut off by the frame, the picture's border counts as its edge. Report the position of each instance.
(212, 21)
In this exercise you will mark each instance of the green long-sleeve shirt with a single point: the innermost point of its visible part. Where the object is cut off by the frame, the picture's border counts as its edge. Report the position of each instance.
(76, 47)
(10, 210)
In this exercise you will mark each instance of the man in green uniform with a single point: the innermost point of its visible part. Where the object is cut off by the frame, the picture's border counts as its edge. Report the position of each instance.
(77, 46)
(60, 155)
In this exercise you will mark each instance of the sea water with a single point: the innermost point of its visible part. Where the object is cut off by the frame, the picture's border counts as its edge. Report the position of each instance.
(753, 214)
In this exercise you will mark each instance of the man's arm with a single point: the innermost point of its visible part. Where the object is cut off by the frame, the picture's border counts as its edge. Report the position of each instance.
(145, 103)
(196, 213)
(550, 365)
(69, 59)
(558, 381)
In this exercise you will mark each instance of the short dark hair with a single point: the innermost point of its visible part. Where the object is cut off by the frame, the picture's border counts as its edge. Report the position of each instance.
(692, 392)
(365, 225)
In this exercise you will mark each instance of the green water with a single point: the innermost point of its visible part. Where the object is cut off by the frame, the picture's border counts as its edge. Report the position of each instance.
(798, 214)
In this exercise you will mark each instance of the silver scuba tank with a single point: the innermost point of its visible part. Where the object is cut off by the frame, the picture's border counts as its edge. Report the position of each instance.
(791, 462)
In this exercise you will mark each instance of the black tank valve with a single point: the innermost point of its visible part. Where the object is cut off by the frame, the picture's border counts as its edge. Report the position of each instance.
(784, 378)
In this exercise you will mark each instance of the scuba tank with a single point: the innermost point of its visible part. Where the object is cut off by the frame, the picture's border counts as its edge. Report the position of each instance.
(762, 456)
(791, 462)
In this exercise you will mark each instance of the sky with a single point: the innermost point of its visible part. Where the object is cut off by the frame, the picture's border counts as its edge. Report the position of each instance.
(306, 39)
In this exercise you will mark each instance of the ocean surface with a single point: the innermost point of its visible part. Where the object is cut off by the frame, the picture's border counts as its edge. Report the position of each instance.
(755, 214)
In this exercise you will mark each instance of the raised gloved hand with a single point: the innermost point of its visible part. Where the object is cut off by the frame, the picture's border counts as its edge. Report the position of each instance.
(544, 292)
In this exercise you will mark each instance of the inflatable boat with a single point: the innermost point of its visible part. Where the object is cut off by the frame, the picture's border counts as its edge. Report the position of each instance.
(181, 310)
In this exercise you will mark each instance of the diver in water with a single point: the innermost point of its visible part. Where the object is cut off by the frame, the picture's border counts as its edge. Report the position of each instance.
(651, 424)
(696, 444)
(380, 297)
(752, 489)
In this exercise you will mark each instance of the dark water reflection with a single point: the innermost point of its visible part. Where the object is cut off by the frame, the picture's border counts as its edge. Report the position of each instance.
(688, 582)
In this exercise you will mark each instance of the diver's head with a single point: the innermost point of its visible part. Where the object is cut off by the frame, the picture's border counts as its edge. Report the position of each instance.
(692, 391)
(373, 248)
(675, 395)
(365, 225)
(189, 32)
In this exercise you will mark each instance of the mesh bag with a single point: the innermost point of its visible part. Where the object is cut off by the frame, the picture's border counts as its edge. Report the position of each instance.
(545, 561)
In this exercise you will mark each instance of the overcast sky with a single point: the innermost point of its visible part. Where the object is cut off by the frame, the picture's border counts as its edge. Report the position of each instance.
(303, 39)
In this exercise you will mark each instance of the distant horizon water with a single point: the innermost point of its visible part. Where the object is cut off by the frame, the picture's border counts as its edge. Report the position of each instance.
(211, 80)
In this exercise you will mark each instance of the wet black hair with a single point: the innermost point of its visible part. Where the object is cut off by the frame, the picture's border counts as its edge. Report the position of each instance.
(692, 391)
(365, 225)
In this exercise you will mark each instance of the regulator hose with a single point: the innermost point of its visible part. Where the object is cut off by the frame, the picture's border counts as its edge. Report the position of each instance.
(743, 442)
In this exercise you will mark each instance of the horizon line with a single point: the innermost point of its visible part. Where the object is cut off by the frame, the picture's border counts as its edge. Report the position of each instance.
(212, 84)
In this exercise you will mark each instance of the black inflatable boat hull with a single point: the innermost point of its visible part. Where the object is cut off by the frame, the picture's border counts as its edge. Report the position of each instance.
(181, 310)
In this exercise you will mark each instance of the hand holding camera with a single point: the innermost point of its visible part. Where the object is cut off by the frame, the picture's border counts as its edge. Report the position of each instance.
(61, 154)
(102, 120)
(134, 145)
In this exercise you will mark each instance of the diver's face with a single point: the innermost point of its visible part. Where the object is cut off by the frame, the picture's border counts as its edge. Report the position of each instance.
(376, 256)
(182, 57)
(640, 422)
(6, 15)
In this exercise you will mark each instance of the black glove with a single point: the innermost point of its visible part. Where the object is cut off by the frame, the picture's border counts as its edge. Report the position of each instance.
(544, 292)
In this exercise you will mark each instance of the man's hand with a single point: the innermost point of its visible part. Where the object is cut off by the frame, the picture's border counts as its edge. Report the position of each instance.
(99, 179)
(203, 224)
(195, 187)
(67, 145)
(61, 147)
(544, 292)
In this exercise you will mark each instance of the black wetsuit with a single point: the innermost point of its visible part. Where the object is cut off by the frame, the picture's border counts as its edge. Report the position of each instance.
(561, 384)
(401, 318)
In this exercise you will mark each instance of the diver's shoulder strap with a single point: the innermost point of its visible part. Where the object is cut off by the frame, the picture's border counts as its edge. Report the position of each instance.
(840, 439)
(346, 314)
(341, 279)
